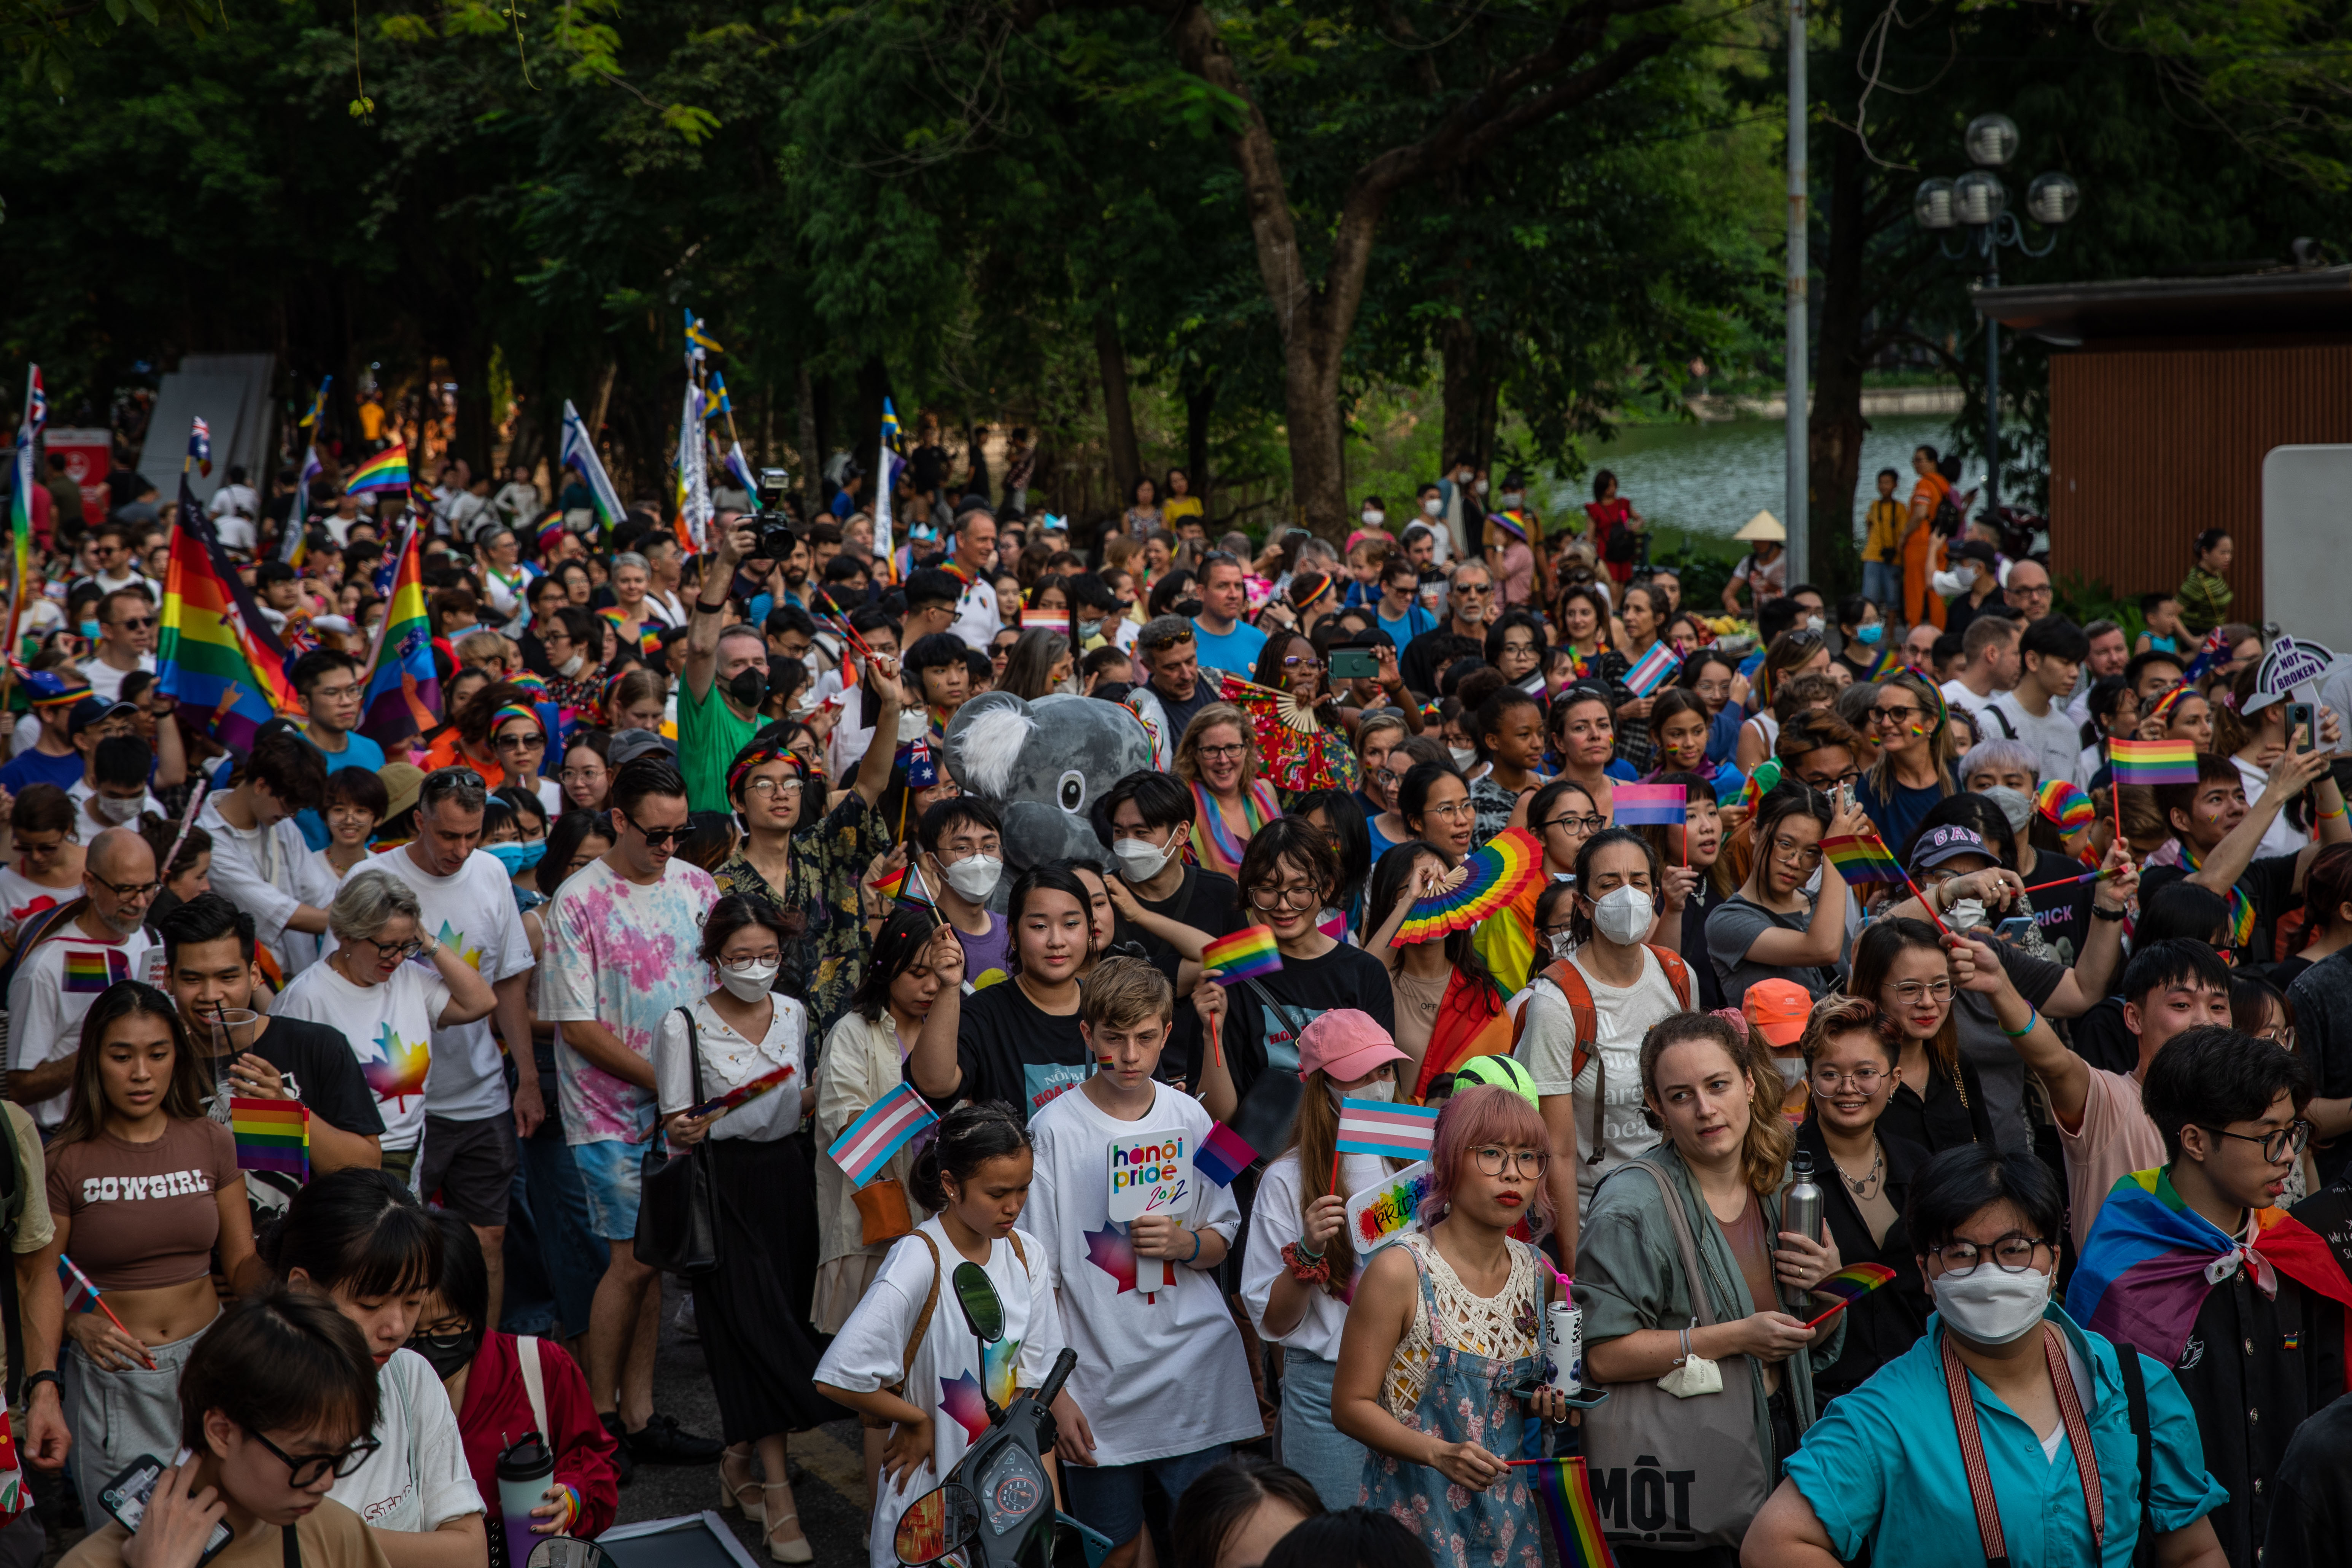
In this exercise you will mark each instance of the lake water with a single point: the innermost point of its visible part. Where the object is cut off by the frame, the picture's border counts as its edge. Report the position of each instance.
(1709, 479)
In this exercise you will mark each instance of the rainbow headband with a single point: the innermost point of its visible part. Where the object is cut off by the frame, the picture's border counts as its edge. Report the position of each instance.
(2165, 704)
(1330, 586)
(758, 757)
(512, 712)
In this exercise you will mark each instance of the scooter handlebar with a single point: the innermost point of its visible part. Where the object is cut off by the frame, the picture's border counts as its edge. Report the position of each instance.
(1063, 1364)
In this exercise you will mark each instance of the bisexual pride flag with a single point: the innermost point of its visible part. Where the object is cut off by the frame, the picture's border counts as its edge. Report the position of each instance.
(1633, 805)
(1222, 1155)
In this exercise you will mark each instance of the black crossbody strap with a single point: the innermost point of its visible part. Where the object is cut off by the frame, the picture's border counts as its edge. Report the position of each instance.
(2136, 1405)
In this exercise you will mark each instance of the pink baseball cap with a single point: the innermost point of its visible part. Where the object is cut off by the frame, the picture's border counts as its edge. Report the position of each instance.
(1345, 1045)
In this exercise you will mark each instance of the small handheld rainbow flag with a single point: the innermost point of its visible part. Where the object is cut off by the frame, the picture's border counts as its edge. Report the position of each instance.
(904, 887)
(1861, 858)
(271, 1135)
(1657, 668)
(1246, 955)
(387, 470)
(1380, 1127)
(740, 1094)
(2154, 762)
(1567, 1494)
(866, 1145)
(1851, 1284)
(1635, 805)
(1222, 1155)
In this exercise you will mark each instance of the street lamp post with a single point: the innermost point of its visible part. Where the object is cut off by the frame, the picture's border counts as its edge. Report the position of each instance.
(1978, 203)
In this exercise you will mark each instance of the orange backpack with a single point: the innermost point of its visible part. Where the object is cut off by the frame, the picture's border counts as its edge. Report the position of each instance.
(1569, 980)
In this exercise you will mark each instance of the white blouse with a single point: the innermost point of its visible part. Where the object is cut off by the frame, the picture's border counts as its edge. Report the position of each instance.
(728, 1060)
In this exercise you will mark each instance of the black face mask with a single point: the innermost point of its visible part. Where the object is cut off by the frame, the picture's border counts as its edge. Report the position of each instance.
(748, 686)
(448, 1354)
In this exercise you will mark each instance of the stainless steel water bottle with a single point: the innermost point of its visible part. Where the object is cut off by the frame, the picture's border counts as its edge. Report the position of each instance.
(1801, 1211)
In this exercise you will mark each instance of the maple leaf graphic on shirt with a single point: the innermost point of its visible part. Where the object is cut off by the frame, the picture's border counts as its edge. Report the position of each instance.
(454, 941)
(399, 1065)
(1109, 1250)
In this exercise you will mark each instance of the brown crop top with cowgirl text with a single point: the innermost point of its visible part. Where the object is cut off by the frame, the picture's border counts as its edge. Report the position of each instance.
(143, 1215)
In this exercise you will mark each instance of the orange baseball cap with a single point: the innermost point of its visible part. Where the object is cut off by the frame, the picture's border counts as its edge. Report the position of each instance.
(1778, 1010)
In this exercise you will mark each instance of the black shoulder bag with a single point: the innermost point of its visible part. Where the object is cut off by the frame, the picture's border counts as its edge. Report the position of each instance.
(677, 1227)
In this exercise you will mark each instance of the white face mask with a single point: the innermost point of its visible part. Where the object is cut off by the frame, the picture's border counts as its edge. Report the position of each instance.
(1965, 914)
(1967, 576)
(1564, 945)
(1432, 507)
(1465, 758)
(747, 982)
(1374, 518)
(1989, 1305)
(1140, 860)
(1480, 487)
(571, 666)
(975, 876)
(1379, 1089)
(1624, 915)
(118, 810)
(1512, 498)
(1813, 623)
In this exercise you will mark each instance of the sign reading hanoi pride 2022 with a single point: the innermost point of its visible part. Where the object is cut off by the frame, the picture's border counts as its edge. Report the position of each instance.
(1378, 1215)
(1151, 1174)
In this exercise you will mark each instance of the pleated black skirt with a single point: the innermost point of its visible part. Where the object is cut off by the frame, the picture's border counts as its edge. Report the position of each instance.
(753, 1309)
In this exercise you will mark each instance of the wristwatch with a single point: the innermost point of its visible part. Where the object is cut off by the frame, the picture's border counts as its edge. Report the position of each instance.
(2099, 912)
(40, 1377)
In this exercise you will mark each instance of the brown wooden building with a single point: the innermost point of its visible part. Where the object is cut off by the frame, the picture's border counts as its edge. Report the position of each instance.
(2165, 395)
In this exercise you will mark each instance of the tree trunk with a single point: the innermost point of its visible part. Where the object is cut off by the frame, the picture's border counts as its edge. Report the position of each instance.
(1119, 417)
(1466, 387)
(469, 367)
(1200, 404)
(602, 403)
(1833, 424)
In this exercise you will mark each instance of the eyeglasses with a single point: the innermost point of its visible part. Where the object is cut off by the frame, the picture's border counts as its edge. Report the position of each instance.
(1897, 715)
(1522, 1162)
(1300, 661)
(400, 950)
(2279, 1145)
(765, 787)
(1474, 589)
(1218, 753)
(1866, 1080)
(1851, 776)
(1807, 853)
(139, 625)
(311, 1469)
(1304, 898)
(126, 889)
(1452, 810)
(2012, 1254)
(654, 836)
(580, 775)
(1910, 991)
(1586, 825)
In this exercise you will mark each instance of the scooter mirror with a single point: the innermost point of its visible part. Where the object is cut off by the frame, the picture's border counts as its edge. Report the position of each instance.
(936, 1523)
(981, 1308)
(563, 1551)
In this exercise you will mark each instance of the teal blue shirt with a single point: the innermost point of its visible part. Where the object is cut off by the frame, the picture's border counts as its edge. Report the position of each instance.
(1882, 1466)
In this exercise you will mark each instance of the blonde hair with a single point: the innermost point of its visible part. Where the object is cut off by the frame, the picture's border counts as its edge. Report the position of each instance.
(1123, 992)
(1764, 1147)
(1188, 765)
(1940, 750)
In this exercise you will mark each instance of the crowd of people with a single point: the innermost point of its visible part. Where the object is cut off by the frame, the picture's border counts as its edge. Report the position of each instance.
(581, 987)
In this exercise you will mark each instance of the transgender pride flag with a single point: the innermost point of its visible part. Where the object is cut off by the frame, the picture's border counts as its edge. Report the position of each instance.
(1657, 668)
(866, 1145)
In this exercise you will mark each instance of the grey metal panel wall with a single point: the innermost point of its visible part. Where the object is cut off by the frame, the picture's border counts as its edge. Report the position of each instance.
(2147, 446)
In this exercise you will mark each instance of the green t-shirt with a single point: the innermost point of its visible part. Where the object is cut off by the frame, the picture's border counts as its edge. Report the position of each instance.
(708, 736)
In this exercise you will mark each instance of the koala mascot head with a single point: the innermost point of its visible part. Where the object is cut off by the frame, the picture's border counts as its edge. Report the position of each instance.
(1042, 764)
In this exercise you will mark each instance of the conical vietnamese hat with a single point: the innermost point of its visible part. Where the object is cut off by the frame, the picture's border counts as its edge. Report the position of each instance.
(1763, 526)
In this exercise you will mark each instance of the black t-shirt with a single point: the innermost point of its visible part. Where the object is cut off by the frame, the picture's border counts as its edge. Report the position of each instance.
(1207, 901)
(322, 1071)
(2268, 884)
(1952, 1112)
(2311, 1503)
(2062, 915)
(2100, 1037)
(1258, 1036)
(1013, 1051)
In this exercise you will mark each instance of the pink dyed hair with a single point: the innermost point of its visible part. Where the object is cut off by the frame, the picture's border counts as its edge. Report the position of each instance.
(1476, 1119)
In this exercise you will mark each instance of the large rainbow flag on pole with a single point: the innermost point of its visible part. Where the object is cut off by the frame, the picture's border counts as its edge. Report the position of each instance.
(402, 686)
(213, 650)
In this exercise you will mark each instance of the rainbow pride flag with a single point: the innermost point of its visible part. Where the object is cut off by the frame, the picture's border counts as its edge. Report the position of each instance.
(2154, 762)
(403, 686)
(1565, 1492)
(387, 470)
(1851, 1284)
(213, 651)
(1245, 955)
(271, 1135)
(906, 889)
(1863, 859)
(91, 970)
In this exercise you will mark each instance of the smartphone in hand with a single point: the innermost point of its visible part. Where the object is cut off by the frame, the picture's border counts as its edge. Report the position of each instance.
(2302, 727)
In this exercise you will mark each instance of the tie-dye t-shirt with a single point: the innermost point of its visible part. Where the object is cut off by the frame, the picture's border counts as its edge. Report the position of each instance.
(620, 955)
(946, 1374)
(390, 1026)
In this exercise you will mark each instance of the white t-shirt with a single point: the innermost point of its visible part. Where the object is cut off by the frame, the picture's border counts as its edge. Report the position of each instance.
(418, 1479)
(1959, 696)
(944, 1376)
(728, 1060)
(2056, 739)
(2282, 837)
(238, 501)
(473, 913)
(1622, 1015)
(976, 618)
(52, 990)
(21, 898)
(390, 1026)
(105, 680)
(1274, 1224)
(1154, 1381)
(269, 873)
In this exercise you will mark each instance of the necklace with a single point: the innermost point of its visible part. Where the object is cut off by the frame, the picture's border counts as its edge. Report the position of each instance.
(1868, 1185)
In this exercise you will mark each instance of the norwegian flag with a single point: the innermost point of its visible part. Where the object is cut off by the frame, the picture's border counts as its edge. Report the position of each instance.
(199, 446)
